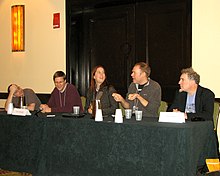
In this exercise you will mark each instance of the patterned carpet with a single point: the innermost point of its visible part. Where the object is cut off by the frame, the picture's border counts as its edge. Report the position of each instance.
(12, 173)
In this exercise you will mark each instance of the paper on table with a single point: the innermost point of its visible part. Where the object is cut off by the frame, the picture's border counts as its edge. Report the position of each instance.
(172, 117)
(21, 112)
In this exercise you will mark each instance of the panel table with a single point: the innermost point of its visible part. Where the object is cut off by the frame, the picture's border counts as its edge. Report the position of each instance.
(69, 146)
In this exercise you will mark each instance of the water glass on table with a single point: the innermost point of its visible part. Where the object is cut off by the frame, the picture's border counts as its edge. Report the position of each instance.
(76, 110)
(128, 113)
(138, 115)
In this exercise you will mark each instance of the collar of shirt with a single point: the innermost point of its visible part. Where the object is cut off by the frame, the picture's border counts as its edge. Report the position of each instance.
(140, 87)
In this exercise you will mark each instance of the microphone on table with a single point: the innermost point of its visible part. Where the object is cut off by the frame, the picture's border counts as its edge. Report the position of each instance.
(94, 105)
(38, 111)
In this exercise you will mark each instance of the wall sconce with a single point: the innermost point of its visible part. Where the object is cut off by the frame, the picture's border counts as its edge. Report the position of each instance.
(17, 21)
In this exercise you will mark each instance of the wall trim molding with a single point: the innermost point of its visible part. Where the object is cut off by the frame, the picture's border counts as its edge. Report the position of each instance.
(42, 96)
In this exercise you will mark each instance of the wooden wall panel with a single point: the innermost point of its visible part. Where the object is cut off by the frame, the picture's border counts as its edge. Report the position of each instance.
(117, 36)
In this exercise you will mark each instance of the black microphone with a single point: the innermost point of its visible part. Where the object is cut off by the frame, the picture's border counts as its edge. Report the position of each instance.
(38, 111)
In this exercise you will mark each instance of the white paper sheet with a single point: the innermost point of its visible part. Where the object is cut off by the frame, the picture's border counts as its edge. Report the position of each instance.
(172, 117)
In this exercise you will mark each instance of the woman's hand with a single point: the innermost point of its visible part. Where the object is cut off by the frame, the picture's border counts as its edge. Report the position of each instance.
(90, 109)
(117, 97)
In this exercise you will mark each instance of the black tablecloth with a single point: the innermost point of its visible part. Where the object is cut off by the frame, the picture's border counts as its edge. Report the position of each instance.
(20, 141)
(70, 146)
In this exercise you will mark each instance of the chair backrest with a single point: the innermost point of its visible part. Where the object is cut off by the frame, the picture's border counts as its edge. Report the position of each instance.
(213, 165)
(216, 122)
(83, 99)
(215, 114)
(163, 107)
(122, 109)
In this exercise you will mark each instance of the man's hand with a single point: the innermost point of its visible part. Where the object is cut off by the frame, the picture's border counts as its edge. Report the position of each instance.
(133, 96)
(117, 97)
(13, 89)
(121, 100)
(45, 108)
(177, 110)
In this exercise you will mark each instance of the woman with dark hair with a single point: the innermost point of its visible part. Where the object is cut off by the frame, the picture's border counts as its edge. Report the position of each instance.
(100, 90)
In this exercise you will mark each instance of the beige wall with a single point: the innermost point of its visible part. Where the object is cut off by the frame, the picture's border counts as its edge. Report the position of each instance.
(44, 46)
(206, 42)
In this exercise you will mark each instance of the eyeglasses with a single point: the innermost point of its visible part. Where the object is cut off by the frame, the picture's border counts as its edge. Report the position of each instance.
(60, 82)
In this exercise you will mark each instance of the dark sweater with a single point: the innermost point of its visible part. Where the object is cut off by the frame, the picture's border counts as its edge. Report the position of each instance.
(108, 104)
(150, 92)
(64, 102)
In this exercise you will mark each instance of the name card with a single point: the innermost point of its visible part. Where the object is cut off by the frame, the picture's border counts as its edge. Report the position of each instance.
(172, 117)
(20, 112)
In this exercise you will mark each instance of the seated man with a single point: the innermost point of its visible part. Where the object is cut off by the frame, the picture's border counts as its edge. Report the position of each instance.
(192, 99)
(63, 97)
(30, 98)
(143, 94)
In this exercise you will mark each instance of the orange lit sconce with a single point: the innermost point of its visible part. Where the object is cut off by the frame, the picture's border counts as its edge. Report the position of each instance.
(17, 21)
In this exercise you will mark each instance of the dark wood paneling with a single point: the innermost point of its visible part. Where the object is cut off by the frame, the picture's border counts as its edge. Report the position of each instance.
(3, 95)
(117, 36)
(111, 43)
(77, 63)
(162, 39)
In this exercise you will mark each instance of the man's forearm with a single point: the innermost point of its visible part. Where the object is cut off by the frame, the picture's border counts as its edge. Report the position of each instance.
(9, 100)
(125, 104)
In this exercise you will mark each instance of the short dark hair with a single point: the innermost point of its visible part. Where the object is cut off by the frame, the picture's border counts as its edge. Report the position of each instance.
(9, 88)
(59, 74)
(144, 67)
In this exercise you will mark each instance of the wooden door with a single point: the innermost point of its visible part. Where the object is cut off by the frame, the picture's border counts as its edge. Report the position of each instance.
(111, 43)
(163, 37)
(117, 36)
